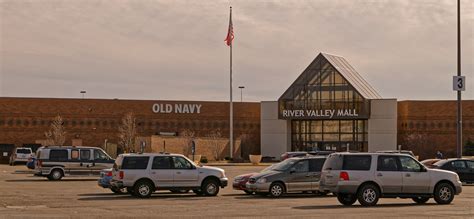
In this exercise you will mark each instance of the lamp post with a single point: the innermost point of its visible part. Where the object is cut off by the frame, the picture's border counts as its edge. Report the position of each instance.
(83, 92)
(241, 88)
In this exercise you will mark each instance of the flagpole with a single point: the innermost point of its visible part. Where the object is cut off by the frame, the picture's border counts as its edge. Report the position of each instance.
(231, 115)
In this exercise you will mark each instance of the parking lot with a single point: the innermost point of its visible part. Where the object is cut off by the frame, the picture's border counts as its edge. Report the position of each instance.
(24, 196)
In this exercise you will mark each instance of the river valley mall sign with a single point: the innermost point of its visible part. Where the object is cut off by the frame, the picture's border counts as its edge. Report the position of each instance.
(320, 114)
(178, 108)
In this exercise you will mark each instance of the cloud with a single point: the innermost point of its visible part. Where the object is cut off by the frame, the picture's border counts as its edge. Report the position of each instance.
(175, 49)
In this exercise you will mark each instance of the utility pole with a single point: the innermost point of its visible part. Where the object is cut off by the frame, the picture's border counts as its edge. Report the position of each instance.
(459, 103)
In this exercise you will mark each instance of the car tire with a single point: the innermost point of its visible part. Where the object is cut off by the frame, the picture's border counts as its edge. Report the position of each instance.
(421, 200)
(55, 175)
(444, 193)
(276, 190)
(143, 189)
(181, 191)
(368, 195)
(210, 187)
(346, 199)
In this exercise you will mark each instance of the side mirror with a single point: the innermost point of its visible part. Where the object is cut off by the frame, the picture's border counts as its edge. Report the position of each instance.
(292, 170)
(423, 169)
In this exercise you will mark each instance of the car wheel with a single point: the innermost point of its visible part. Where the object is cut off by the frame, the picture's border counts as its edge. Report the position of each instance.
(368, 195)
(277, 190)
(248, 192)
(444, 193)
(421, 200)
(179, 190)
(210, 187)
(55, 175)
(346, 199)
(143, 189)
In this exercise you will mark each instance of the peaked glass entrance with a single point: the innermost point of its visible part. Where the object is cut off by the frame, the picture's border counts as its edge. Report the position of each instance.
(326, 111)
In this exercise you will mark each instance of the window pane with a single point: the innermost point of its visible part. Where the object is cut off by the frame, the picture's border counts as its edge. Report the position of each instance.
(58, 155)
(181, 163)
(346, 126)
(315, 165)
(135, 163)
(99, 155)
(331, 126)
(301, 167)
(459, 164)
(74, 154)
(161, 163)
(387, 163)
(409, 165)
(354, 162)
(316, 126)
(331, 137)
(346, 137)
(85, 154)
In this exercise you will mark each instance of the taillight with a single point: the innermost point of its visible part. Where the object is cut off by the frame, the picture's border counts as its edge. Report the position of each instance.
(109, 173)
(344, 176)
(121, 174)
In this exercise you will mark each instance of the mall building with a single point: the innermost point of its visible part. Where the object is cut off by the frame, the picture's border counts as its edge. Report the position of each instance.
(328, 107)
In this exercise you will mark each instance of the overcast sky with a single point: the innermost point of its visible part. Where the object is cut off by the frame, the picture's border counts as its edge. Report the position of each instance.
(175, 50)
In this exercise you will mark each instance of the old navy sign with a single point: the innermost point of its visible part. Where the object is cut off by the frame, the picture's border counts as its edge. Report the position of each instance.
(328, 113)
(176, 108)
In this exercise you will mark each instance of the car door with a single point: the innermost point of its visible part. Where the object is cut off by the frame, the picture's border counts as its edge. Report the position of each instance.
(299, 178)
(470, 174)
(415, 178)
(315, 166)
(388, 174)
(185, 174)
(459, 166)
(86, 162)
(162, 171)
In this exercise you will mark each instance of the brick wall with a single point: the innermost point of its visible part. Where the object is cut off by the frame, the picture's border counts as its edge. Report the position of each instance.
(428, 126)
(92, 121)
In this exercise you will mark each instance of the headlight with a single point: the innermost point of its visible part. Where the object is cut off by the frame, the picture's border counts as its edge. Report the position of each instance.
(262, 180)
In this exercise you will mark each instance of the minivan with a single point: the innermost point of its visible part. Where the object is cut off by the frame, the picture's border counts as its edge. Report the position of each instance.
(55, 162)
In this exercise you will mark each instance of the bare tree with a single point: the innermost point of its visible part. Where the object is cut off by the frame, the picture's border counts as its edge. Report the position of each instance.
(216, 146)
(56, 134)
(187, 137)
(128, 132)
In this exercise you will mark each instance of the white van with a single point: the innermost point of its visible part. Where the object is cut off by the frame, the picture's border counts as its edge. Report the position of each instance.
(54, 162)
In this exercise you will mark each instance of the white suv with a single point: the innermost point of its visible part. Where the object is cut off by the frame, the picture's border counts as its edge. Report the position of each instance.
(366, 177)
(145, 173)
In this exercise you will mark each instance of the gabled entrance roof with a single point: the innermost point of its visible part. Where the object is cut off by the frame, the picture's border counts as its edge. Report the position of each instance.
(346, 71)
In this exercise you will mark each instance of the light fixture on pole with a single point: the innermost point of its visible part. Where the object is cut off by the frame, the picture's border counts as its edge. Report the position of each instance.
(83, 92)
(241, 88)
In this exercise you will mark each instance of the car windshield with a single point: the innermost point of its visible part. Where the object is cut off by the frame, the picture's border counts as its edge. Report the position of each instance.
(284, 165)
(269, 168)
(23, 151)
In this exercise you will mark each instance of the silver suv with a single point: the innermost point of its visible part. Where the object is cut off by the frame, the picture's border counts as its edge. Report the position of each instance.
(142, 174)
(366, 177)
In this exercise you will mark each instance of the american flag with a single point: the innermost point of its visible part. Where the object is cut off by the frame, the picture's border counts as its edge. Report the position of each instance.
(230, 32)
